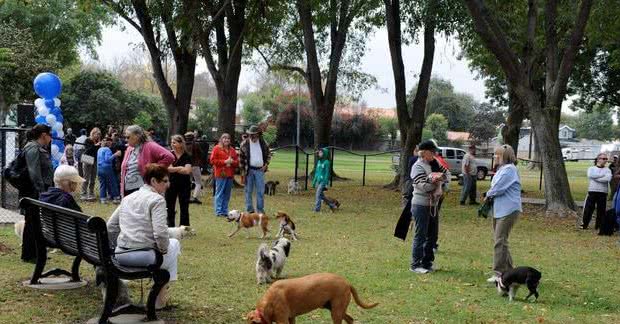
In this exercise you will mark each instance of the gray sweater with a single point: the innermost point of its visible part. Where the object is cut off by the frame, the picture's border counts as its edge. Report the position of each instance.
(422, 186)
(599, 179)
(140, 221)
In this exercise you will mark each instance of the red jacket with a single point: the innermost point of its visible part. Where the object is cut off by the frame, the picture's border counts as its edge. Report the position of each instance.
(218, 156)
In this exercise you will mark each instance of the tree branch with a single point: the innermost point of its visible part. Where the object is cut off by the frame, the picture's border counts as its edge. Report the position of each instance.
(529, 50)
(551, 41)
(166, 17)
(116, 8)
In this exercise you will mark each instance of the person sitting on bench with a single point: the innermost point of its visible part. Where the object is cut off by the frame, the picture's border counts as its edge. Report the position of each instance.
(141, 222)
(66, 180)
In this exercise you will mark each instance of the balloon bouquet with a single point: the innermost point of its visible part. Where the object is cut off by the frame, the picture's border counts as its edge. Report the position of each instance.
(48, 86)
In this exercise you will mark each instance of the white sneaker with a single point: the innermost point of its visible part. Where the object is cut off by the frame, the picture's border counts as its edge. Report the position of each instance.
(493, 279)
(420, 270)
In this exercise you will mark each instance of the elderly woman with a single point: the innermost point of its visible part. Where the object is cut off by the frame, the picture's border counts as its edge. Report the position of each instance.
(180, 182)
(598, 177)
(505, 193)
(224, 160)
(140, 152)
(89, 164)
(141, 222)
(66, 181)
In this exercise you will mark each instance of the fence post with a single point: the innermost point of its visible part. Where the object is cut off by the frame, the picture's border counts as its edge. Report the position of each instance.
(541, 175)
(296, 161)
(331, 171)
(3, 163)
(306, 180)
(364, 172)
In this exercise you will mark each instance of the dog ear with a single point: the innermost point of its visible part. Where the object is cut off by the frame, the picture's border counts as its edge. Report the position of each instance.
(287, 248)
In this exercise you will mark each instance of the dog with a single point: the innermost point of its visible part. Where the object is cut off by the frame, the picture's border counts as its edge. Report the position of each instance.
(19, 230)
(286, 225)
(288, 298)
(293, 187)
(270, 187)
(510, 281)
(248, 220)
(122, 299)
(334, 202)
(180, 232)
(270, 263)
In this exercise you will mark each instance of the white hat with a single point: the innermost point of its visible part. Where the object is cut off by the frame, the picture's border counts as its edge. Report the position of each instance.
(67, 172)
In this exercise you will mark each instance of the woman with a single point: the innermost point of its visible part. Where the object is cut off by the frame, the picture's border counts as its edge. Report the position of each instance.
(67, 157)
(321, 180)
(197, 157)
(89, 164)
(66, 181)
(180, 182)
(505, 193)
(224, 160)
(598, 177)
(140, 152)
(424, 207)
(140, 222)
(105, 171)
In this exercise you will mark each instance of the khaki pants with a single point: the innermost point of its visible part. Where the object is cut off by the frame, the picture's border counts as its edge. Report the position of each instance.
(502, 261)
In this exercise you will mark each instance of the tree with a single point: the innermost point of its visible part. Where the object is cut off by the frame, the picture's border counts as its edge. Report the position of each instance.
(596, 124)
(522, 72)
(438, 125)
(167, 33)
(488, 117)
(389, 127)
(252, 112)
(205, 114)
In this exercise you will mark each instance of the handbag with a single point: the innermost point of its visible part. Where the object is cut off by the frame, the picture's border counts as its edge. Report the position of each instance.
(88, 159)
(485, 208)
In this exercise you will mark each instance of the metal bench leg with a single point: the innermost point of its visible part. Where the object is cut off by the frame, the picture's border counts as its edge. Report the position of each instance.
(75, 269)
(160, 279)
(110, 297)
(40, 265)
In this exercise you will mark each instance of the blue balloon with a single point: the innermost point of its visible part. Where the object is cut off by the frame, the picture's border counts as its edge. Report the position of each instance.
(47, 85)
(54, 134)
(49, 103)
(40, 119)
(55, 111)
(60, 118)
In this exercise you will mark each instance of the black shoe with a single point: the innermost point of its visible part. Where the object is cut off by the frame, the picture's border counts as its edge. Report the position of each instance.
(474, 203)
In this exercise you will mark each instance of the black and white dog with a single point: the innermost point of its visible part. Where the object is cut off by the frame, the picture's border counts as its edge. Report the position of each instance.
(270, 187)
(510, 281)
(271, 261)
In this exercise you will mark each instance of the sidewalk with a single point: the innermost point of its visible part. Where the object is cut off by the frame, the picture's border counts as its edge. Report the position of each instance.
(538, 201)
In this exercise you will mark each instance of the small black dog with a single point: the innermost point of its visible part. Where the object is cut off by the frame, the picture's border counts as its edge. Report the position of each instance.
(270, 187)
(510, 281)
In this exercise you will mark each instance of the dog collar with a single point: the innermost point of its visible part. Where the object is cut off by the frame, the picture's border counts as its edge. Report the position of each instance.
(261, 317)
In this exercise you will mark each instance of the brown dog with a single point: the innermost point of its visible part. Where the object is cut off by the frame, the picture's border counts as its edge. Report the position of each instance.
(288, 298)
(248, 220)
(286, 225)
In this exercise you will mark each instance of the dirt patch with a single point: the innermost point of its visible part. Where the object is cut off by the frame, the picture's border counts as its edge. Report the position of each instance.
(5, 249)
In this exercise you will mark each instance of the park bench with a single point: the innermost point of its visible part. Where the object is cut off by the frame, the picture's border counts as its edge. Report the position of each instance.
(86, 238)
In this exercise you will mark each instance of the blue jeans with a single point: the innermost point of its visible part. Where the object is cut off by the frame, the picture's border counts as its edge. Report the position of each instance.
(321, 197)
(469, 188)
(425, 235)
(108, 184)
(255, 178)
(223, 189)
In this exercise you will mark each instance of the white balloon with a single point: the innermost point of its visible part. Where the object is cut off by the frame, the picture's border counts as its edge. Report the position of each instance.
(50, 119)
(39, 103)
(56, 102)
(60, 133)
(43, 111)
(55, 149)
(57, 126)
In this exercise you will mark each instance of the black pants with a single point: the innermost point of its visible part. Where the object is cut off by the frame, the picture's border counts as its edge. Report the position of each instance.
(596, 200)
(29, 249)
(183, 192)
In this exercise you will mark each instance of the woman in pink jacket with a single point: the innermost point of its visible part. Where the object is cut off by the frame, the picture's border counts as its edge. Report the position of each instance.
(140, 152)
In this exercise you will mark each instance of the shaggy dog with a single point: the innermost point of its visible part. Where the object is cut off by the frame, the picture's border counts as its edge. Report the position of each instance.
(293, 187)
(270, 263)
(270, 187)
(286, 225)
(248, 220)
(510, 281)
(180, 232)
(288, 298)
(19, 230)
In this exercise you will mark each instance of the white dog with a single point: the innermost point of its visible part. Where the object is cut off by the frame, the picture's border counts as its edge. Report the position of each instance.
(271, 262)
(293, 187)
(180, 232)
(19, 230)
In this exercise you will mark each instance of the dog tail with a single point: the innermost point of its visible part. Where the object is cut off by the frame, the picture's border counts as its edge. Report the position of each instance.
(359, 302)
(263, 251)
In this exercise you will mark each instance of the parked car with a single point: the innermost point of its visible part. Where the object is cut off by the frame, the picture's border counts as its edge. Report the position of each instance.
(454, 158)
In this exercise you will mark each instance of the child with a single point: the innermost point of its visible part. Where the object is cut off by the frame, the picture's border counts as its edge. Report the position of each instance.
(67, 158)
(321, 180)
(109, 186)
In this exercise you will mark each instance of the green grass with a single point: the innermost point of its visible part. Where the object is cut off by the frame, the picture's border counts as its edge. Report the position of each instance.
(217, 279)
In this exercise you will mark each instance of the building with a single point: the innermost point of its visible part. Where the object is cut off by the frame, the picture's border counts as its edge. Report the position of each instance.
(566, 132)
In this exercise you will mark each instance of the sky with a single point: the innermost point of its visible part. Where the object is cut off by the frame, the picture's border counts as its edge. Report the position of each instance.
(117, 43)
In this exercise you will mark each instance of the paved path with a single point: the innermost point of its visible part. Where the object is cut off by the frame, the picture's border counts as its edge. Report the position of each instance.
(9, 216)
(537, 201)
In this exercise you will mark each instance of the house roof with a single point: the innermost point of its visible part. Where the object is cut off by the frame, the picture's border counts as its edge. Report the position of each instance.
(458, 136)
(567, 127)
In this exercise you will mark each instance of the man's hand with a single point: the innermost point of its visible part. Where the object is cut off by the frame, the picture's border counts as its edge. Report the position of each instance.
(264, 168)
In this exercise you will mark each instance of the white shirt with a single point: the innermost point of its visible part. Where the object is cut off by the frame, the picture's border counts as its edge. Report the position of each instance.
(470, 160)
(599, 179)
(256, 155)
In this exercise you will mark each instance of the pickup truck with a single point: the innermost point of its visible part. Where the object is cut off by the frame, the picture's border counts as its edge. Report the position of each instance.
(454, 158)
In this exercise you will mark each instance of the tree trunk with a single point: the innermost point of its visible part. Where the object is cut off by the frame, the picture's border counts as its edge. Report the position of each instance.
(516, 114)
(323, 125)
(226, 113)
(4, 109)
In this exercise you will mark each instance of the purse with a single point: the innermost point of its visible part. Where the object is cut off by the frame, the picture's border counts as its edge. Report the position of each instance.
(88, 159)
(485, 208)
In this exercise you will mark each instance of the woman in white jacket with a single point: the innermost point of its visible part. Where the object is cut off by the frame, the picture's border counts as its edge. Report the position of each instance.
(598, 177)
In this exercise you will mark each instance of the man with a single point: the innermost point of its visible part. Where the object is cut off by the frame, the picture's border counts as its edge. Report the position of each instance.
(469, 170)
(197, 155)
(78, 150)
(253, 162)
(69, 136)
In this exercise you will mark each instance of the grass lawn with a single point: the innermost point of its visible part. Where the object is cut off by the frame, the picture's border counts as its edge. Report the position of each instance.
(217, 281)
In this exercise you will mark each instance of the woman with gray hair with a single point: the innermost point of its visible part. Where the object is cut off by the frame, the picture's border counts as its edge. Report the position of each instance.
(598, 177)
(505, 194)
(140, 152)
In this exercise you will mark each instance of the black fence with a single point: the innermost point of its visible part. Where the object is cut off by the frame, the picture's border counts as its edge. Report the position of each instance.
(12, 141)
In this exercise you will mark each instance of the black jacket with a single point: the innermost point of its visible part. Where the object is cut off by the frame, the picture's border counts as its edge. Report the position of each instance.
(59, 197)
